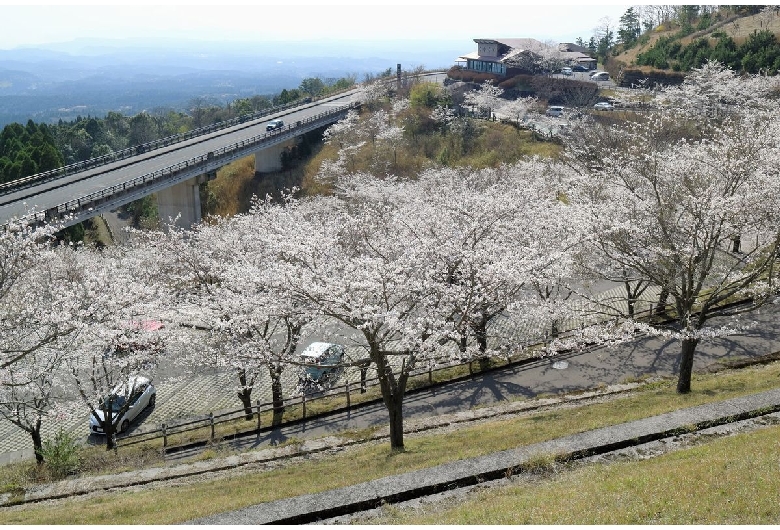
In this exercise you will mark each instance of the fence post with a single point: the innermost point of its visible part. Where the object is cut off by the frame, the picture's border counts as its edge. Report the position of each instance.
(303, 402)
(211, 420)
(430, 374)
(347, 387)
(113, 441)
(164, 429)
(258, 416)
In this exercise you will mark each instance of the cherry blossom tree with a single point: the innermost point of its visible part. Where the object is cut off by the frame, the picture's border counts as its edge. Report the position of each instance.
(665, 206)
(352, 260)
(25, 324)
(444, 116)
(113, 301)
(497, 233)
(27, 393)
(517, 109)
(348, 136)
(222, 286)
(34, 317)
(414, 266)
(372, 95)
(485, 100)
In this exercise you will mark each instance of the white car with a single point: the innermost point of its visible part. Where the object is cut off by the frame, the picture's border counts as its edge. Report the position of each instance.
(554, 111)
(274, 124)
(566, 70)
(603, 105)
(127, 400)
(599, 76)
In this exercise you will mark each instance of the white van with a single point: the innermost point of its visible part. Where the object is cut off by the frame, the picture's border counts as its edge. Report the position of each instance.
(320, 360)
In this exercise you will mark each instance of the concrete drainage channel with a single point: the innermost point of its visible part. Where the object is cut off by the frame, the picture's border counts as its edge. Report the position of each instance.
(471, 472)
(642, 451)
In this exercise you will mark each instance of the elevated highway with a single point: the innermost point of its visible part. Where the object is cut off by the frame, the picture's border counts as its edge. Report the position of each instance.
(172, 167)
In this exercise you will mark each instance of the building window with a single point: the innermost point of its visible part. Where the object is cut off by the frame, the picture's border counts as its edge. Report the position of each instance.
(486, 66)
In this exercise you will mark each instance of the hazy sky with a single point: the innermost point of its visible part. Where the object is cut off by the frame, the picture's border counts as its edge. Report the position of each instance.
(39, 24)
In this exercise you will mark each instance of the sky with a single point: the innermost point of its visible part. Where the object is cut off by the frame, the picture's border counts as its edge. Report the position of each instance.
(32, 24)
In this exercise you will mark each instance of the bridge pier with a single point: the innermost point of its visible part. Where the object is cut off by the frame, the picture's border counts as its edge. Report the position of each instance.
(182, 200)
(269, 159)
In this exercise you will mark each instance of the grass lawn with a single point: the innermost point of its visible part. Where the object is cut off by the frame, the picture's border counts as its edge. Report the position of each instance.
(732, 480)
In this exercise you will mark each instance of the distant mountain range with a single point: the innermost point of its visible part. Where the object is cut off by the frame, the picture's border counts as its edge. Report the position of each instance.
(91, 77)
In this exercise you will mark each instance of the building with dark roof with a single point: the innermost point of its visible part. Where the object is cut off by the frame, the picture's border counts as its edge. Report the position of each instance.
(509, 57)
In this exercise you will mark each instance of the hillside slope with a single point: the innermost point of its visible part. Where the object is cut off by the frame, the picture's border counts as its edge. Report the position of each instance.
(739, 28)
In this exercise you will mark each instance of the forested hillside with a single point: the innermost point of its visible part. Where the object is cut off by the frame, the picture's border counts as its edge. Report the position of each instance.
(681, 38)
(26, 150)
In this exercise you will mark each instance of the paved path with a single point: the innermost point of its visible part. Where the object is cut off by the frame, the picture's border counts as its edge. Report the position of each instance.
(601, 366)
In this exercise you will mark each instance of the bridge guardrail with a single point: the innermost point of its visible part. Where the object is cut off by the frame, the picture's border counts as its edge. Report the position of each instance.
(88, 201)
(54, 174)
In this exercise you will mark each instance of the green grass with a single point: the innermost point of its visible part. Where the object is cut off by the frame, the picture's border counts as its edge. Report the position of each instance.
(732, 480)
(366, 462)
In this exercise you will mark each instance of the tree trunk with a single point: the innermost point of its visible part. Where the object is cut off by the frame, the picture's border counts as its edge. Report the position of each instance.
(110, 431)
(480, 333)
(245, 396)
(663, 298)
(630, 299)
(396, 425)
(392, 396)
(686, 365)
(37, 442)
(277, 397)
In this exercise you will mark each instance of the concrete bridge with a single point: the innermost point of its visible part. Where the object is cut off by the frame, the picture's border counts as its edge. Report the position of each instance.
(173, 167)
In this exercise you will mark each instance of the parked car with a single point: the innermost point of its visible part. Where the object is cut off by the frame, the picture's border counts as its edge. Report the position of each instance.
(603, 105)
(274, 124)
(321, 360)
(566, 70)
(599, 76)
(555, 111)
(578, 68)
(138, 391)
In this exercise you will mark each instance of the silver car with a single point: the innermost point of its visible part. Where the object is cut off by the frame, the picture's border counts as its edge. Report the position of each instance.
(127, 400)
(274, 124)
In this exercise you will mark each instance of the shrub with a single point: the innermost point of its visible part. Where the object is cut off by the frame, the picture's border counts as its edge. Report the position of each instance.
(61, 454)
